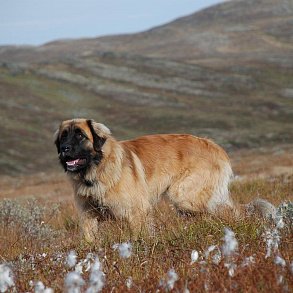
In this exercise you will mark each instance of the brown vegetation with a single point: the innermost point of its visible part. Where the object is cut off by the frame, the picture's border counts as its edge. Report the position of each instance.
(40, 254)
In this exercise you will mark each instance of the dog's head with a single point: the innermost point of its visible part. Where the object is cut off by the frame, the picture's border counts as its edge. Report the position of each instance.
(79, 143)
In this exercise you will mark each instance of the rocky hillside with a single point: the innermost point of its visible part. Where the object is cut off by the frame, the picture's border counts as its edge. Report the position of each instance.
(222, 73)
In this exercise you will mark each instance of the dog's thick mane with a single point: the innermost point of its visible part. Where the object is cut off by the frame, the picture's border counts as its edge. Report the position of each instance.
(102, 177)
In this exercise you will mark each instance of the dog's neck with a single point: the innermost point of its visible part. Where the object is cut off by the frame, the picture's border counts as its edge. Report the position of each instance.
(88, 186)
(90, 183)
(98, 179)
(88, 177)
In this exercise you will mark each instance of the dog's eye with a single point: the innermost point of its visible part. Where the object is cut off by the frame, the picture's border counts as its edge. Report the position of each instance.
(80, 135)
(64, 134)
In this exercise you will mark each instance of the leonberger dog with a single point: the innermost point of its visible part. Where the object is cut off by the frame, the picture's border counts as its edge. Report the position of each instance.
(125, 179)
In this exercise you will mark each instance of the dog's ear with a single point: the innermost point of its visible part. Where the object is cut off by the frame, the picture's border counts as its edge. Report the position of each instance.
(57, 141)
(100, 134)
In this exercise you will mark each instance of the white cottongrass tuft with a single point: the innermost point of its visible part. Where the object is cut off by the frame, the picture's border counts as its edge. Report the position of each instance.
(125, 250)
(79, 267)
(84, 264)
(97, 277)
(6, 279)
(280, 261)
(280, 280)
(97, 264)
(247, 261)
(228, 248)
(40, 288)
(209, 250)
(280, 223)
(129, 282)
(87, 261)
(73, 282)
(230, 245)
(217, 255)
(194, 256)
(71, 259)
(272, 238)
(172, 277)
(231, 268)
(231, 271)
(115, 246)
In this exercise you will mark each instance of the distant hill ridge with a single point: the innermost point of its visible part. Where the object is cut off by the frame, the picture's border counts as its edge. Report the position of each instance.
(241, 30)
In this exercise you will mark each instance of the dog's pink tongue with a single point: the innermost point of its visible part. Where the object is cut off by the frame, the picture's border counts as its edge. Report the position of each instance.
(72, 163)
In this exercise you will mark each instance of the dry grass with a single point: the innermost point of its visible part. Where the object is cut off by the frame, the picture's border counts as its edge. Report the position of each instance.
(35, 241)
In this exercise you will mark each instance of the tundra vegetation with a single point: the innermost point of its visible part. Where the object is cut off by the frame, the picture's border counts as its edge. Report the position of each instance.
(43, 250)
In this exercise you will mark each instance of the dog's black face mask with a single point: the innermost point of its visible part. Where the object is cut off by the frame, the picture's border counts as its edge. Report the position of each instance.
(76, 151)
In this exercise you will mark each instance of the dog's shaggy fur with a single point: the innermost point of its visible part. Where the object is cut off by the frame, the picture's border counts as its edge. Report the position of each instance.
(124, 179)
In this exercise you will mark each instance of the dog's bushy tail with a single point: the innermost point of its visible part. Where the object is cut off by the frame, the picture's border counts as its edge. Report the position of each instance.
(264, 208)
(259, 207)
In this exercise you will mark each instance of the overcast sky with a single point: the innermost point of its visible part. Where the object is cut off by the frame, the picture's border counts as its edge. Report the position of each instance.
(36, 22)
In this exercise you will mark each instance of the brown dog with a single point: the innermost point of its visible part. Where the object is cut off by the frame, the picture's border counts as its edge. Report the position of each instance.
(124, 179)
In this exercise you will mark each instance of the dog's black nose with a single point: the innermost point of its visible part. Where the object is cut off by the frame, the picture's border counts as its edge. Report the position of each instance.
(65, 148)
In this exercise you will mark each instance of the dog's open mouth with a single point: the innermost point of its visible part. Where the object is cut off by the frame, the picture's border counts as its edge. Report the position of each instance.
(75, 164)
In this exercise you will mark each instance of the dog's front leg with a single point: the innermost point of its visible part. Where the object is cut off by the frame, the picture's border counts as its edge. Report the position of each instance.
(89, 226)
(88, 218)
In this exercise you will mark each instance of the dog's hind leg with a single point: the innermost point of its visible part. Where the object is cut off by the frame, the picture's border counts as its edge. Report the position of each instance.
(205, 191)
